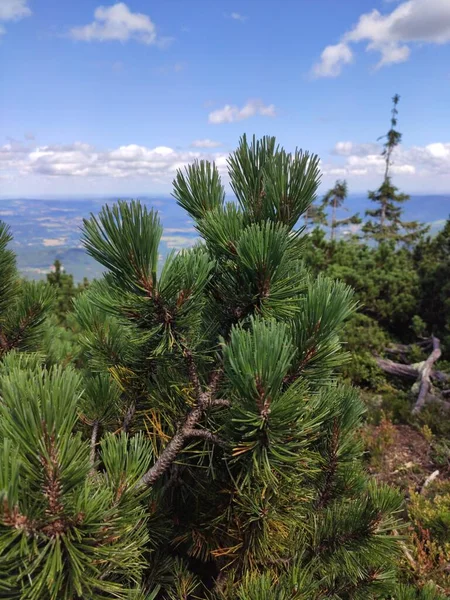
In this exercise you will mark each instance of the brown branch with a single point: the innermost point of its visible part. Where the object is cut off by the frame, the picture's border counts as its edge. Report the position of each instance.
(184, 431)
(220, 403)
(129, 415)
(193, 373)
(207, 435)
(173, 448)
(214, 381)
(425, 375)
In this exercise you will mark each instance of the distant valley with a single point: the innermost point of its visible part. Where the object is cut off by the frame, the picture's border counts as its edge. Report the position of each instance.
(45, 230)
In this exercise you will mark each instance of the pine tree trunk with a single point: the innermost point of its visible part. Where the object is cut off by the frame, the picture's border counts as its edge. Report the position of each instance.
(383, 213)
(333, 220)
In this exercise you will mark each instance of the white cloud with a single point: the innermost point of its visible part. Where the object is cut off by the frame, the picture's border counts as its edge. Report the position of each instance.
(13, 10)
(13, 156)
(177, 242)
(231, 113)
(391, 35)
(332, 59)
(238, 17)
(83, 160)
(432, 160)
(118, 23)
(54, 241)
(205, 144)
(130, 168)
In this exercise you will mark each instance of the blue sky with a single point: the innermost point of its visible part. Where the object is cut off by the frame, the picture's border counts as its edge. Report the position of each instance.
(112, 98)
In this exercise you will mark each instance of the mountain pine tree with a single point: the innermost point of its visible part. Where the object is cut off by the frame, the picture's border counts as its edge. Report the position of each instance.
(335, 198)
(388, 224)
(208, 450)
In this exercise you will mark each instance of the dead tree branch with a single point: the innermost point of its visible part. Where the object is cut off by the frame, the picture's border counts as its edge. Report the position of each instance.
(422, 372)
(425, 375)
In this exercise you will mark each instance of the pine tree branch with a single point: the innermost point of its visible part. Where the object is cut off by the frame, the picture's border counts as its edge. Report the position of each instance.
(193, 373)
(207, 435)
(24, 323)
(214, 382)
(94, 437)
(176, 444)
(331, 467)
(220, 403)
(173, 448)
(128, 417)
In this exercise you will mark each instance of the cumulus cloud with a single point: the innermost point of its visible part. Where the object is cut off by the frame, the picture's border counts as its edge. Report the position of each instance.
(118, 23)
(332, 59)
(205, 144)
(365, 160)
(390, 35)
(54, 241)
(13, 10)
(13, 156)
(417, 167)
(83, 160)
(231, 113)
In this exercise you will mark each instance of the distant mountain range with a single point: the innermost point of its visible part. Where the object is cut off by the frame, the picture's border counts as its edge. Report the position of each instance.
(48, 229)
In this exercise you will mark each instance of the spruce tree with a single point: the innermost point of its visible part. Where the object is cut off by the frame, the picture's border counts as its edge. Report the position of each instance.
(335, 198)
(387, 224)
(207, 450)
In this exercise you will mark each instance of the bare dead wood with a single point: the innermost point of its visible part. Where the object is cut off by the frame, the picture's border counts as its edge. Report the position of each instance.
(398, 369)
(405, 348)
(422, 372)
(406, 552)
(425, 375)
(407, 371)
(429, 480)
(440, 376)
